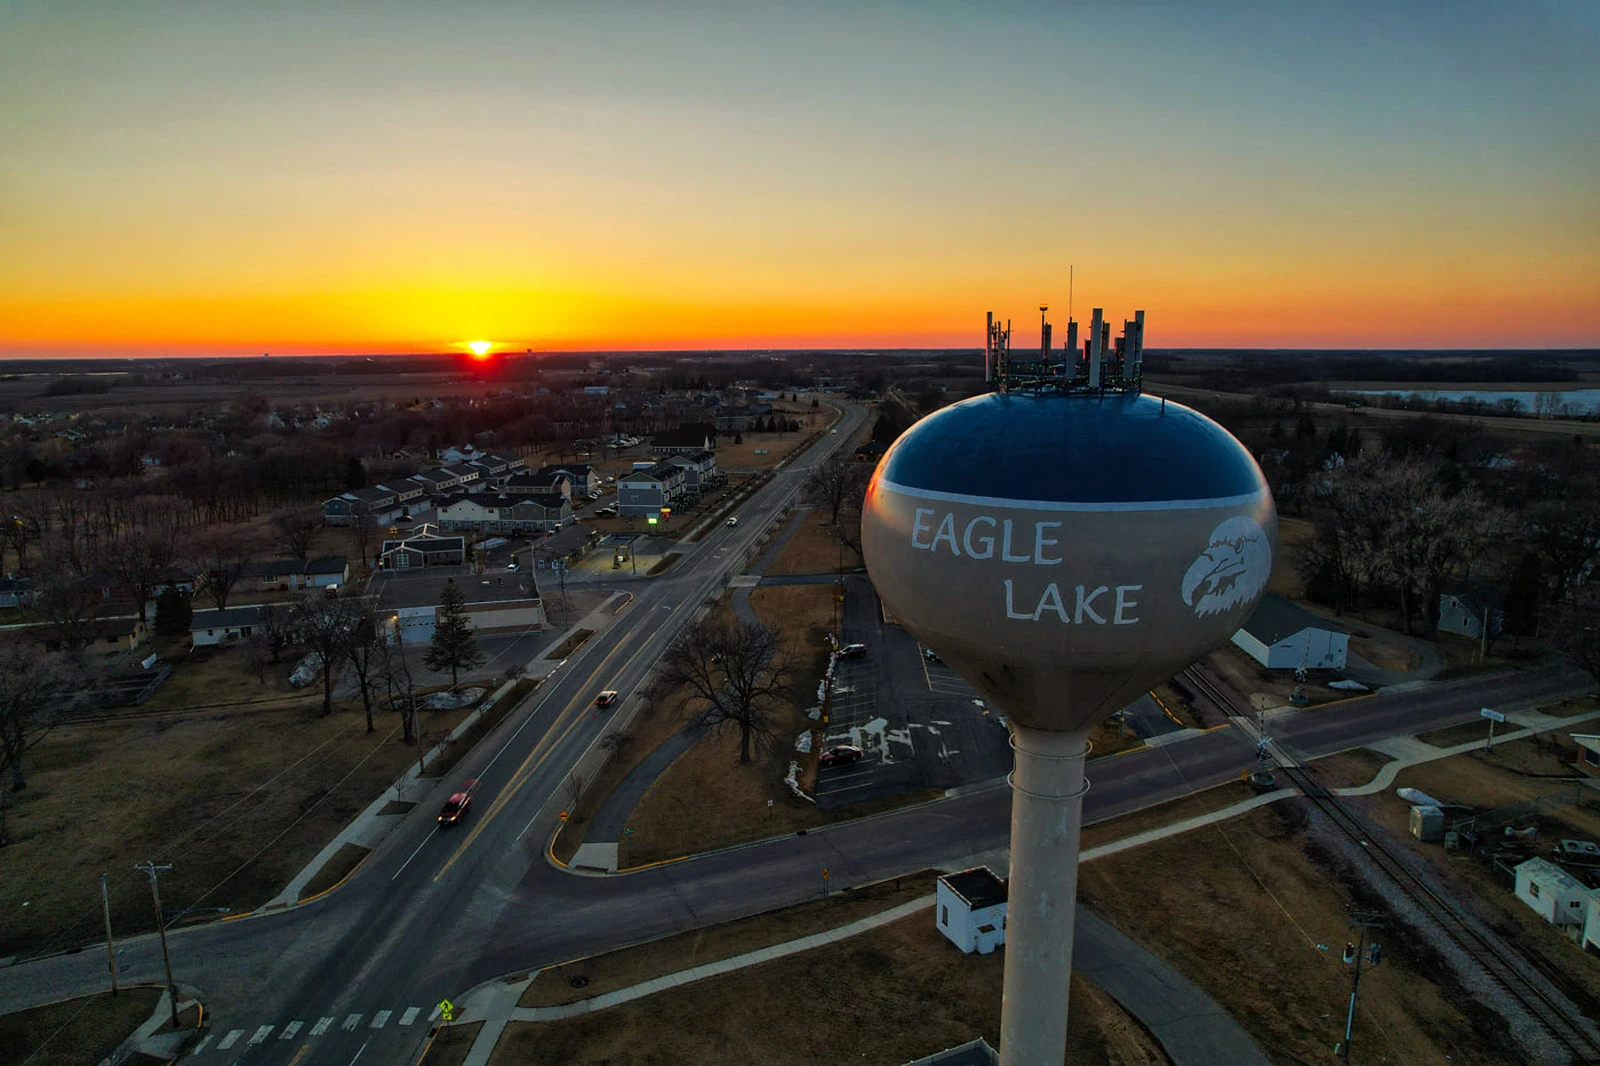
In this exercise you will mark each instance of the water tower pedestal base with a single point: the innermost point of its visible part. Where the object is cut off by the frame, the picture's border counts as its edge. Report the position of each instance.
(1046, 815)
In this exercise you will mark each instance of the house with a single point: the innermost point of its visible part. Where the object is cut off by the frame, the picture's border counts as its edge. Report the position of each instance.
(699, 471)
(539, 482)
(1555, 895)
(373, 505)
(582, 477)
(324, 573)
(1461, 611)
(423, 549)
(211, 628)
(405, 490)
(1591, 925)
(970, 909)
(111, 636)
(689, 437)
(645, 490)
(464, 474)
(438, 480)
(502, 513)
(1284, 636)
(570, 546)
(287, 574)
(1588, 752)
(15, 591)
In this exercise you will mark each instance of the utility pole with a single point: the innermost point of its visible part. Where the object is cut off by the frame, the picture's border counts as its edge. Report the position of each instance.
(111, 947)
(1355, 954)
(154, 872)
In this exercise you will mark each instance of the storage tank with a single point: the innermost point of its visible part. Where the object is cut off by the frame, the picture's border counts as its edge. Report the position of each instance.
(1064, 547)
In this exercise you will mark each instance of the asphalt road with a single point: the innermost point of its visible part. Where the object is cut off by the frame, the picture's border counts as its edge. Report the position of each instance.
(432, 914)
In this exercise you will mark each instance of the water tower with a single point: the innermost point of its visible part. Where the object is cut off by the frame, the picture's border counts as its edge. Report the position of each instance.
(1064, 543)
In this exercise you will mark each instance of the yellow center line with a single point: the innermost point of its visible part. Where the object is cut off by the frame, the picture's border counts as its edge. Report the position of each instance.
(529, 766)
(298, 1055)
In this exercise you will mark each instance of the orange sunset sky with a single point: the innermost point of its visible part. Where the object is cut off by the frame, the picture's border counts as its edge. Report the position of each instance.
(243, 178)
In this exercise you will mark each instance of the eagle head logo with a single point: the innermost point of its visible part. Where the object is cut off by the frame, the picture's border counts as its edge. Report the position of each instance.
(1232, 570)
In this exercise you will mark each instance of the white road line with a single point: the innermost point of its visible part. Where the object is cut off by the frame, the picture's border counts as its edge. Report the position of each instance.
(413, 855)
(262, 1034)
(290, 1030)
(350, 1022)
(321, 1026)
(410, 1015)
(358, 1054)
(231, 1039)
(380, 1019)
(203, 1042)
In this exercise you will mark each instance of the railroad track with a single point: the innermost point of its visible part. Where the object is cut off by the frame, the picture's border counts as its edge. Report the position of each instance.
(1497, 961)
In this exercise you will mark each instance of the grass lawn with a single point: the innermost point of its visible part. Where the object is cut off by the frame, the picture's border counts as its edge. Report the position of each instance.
(1345, 769)
(1163, 814)
(215, 676)
(451, 1044)
(237, 801)
(74, 1031)
(813, 549)
(1240, 909)
(599, 974)
(887, 996)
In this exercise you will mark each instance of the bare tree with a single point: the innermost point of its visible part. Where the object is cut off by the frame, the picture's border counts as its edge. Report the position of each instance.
(326, 625)
(70, 606)
(142, 561)
(835, 484)
(573, 788)
(366, 652)
(400, 685)
(276, 625)
(221, 560)
(1574, 627)
(298, 527)
(740, 675)
(258, 653)
(36, 692)
(615, 743)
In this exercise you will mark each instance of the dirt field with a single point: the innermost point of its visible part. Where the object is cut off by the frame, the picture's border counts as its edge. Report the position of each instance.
(812, 549)
(1241, 907)
(74, 1031)
(236, 800)
(887, 996)
(451, 1044)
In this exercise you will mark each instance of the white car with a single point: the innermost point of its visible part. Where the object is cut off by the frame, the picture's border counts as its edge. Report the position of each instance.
(733, 521)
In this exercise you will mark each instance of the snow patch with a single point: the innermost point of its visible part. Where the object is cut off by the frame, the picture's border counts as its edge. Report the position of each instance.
(792, 779)
(802, 743)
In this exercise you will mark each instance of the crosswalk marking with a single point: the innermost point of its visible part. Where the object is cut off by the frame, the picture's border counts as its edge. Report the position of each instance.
(410, 1015)
(435, 1014)
(350, 1023)
(203, 1042)
(321, 1026)
(231, 1039)
(261, 1034)
(289, 1030)
(380, 1019)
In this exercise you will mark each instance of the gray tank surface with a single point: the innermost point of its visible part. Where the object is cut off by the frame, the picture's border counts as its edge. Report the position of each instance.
(1065, 552)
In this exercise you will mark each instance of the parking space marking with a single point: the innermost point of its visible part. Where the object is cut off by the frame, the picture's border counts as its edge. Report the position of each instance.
(321, 1026)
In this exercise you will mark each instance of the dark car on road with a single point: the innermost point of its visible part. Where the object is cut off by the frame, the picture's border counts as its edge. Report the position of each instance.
(840, 755)
(455, 808)
(853, 651)
(931, 655)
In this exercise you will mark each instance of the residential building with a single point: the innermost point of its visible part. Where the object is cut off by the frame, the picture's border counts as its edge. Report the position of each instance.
(406, 489)
(700, 471)
(1285, 636)
(539, 482)
(1588, 752)
(570, 546)
(423, 548)
(970, 909)
(374, 505)
(214, 627)
(646, 490)
(15, 591)
(1555, 895)
(506, 513)
(585, 479)
(285, 574)
(1461, 611)
(465, 474)
(112, 636)
(690, 437)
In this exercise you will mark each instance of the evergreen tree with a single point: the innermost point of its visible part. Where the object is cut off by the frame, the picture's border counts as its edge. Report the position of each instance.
(355, 474)
(173, 612)
(454, 645)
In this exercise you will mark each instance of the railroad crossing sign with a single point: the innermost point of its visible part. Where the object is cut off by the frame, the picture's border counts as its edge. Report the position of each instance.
(447, 1010)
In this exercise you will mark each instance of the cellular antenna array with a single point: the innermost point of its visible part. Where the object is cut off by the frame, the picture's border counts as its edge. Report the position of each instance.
(1099, 366)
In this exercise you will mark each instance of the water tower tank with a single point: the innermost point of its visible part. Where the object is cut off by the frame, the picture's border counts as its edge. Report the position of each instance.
(1066, 552)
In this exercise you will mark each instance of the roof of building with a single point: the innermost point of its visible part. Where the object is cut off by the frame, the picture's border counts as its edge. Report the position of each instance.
(434, 477)
(1275, 619)
(331, 564)
(543, 476)
(371, 493)
(426, 542)
(1549, 874)
(567, 541)
(462, 470)
(577, 470)
(504, 460)
(227, 618)
(979, 887)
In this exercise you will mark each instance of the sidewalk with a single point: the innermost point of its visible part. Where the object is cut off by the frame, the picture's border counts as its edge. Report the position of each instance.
(369, 828)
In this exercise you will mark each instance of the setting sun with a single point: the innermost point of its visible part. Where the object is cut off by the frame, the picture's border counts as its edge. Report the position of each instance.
(480, 349)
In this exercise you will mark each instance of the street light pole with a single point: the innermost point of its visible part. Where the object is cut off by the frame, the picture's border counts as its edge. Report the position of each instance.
(154, 872)
(111, 948)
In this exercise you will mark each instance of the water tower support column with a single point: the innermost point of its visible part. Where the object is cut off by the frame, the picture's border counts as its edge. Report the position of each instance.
(1046, 815)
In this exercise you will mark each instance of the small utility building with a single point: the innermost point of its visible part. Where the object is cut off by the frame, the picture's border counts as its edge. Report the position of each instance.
(1588, 752)
(1284, 636)
(971, 910)
(1557, 896)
